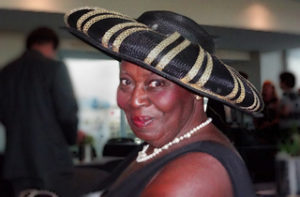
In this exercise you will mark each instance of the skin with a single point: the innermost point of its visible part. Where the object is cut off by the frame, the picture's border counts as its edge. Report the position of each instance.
(268, 92)
(47, 49)
(157, 111)
(269, 96)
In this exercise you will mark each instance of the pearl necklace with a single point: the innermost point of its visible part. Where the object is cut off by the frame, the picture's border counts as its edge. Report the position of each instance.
(142, 155)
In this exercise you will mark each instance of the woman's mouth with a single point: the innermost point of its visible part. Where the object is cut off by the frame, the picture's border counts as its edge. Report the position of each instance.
(142, 121)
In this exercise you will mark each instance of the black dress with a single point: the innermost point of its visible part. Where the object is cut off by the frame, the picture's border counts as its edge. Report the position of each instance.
(234, 165)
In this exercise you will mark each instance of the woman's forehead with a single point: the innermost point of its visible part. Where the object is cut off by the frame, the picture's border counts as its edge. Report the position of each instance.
(128, 67)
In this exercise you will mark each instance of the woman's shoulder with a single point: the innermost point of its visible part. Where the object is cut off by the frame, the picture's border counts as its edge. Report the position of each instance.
(191, 174)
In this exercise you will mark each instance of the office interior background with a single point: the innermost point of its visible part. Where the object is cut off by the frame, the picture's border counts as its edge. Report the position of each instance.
(258, 37)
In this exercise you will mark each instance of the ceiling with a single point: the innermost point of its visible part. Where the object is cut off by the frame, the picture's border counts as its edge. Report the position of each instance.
(226, 38)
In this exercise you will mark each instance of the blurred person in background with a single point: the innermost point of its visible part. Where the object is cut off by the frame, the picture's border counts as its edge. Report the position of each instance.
(289, 105)
(267, 126)
(39, 112)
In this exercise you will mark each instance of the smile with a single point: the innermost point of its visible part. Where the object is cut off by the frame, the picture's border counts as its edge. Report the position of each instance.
(142, 121)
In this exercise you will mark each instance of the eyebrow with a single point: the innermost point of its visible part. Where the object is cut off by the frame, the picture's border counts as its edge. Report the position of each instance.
(150, 73)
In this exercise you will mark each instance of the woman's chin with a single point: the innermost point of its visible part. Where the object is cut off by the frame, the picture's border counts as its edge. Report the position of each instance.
(146, 135)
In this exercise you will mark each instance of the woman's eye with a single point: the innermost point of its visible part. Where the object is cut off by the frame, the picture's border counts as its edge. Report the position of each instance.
(155, 83)
(124, 82)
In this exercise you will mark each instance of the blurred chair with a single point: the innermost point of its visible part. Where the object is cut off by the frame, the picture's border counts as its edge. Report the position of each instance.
(119, 147)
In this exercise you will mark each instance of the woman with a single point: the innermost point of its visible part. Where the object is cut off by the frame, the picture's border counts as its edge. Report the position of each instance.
(271, 101)
(166, 70)
(267, 126)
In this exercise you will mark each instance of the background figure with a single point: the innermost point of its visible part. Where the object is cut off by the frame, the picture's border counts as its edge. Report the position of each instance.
(39, 111)
(289, 105)
(267, 126)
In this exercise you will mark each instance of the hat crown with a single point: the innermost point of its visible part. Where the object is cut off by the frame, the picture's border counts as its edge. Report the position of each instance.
(167, 22)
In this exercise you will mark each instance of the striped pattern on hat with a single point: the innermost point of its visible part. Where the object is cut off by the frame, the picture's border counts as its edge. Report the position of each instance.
(169, 55)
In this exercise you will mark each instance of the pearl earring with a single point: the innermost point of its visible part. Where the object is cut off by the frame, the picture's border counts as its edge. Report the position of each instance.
(205, 100)
(198, 97)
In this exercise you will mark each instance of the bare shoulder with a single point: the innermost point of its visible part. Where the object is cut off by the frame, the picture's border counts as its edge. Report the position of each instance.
(193, 174)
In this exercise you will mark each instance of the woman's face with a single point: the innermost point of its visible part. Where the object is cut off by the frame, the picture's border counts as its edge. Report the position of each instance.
(268, 92)
(156, 108)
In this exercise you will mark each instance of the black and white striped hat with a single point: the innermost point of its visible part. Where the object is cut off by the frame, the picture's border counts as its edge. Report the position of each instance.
(158, 41)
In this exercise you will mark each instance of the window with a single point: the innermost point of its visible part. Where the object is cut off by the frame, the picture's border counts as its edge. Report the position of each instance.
(95, 83)
(293, 62)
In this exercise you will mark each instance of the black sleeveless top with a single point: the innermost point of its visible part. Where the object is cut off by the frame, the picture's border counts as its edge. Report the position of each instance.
(134, 184)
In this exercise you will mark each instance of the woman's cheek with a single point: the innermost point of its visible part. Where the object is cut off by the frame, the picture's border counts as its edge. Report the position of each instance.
(171, 98)
(122, 99)
(163, 100)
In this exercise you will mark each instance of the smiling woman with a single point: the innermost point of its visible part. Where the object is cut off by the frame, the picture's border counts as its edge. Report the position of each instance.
(167, 68)
(153, 104)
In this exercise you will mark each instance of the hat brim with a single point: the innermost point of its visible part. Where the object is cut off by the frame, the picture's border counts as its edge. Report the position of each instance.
(223, 84)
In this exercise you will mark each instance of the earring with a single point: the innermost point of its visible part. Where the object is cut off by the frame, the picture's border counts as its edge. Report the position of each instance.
(198, 97)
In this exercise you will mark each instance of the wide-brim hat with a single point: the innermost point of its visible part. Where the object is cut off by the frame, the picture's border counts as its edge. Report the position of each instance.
(167, 53)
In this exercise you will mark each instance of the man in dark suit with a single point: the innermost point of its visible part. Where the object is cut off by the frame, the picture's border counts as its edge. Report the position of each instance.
(39, 112)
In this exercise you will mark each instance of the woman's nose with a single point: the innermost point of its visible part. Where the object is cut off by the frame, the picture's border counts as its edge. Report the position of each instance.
(139, 97)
